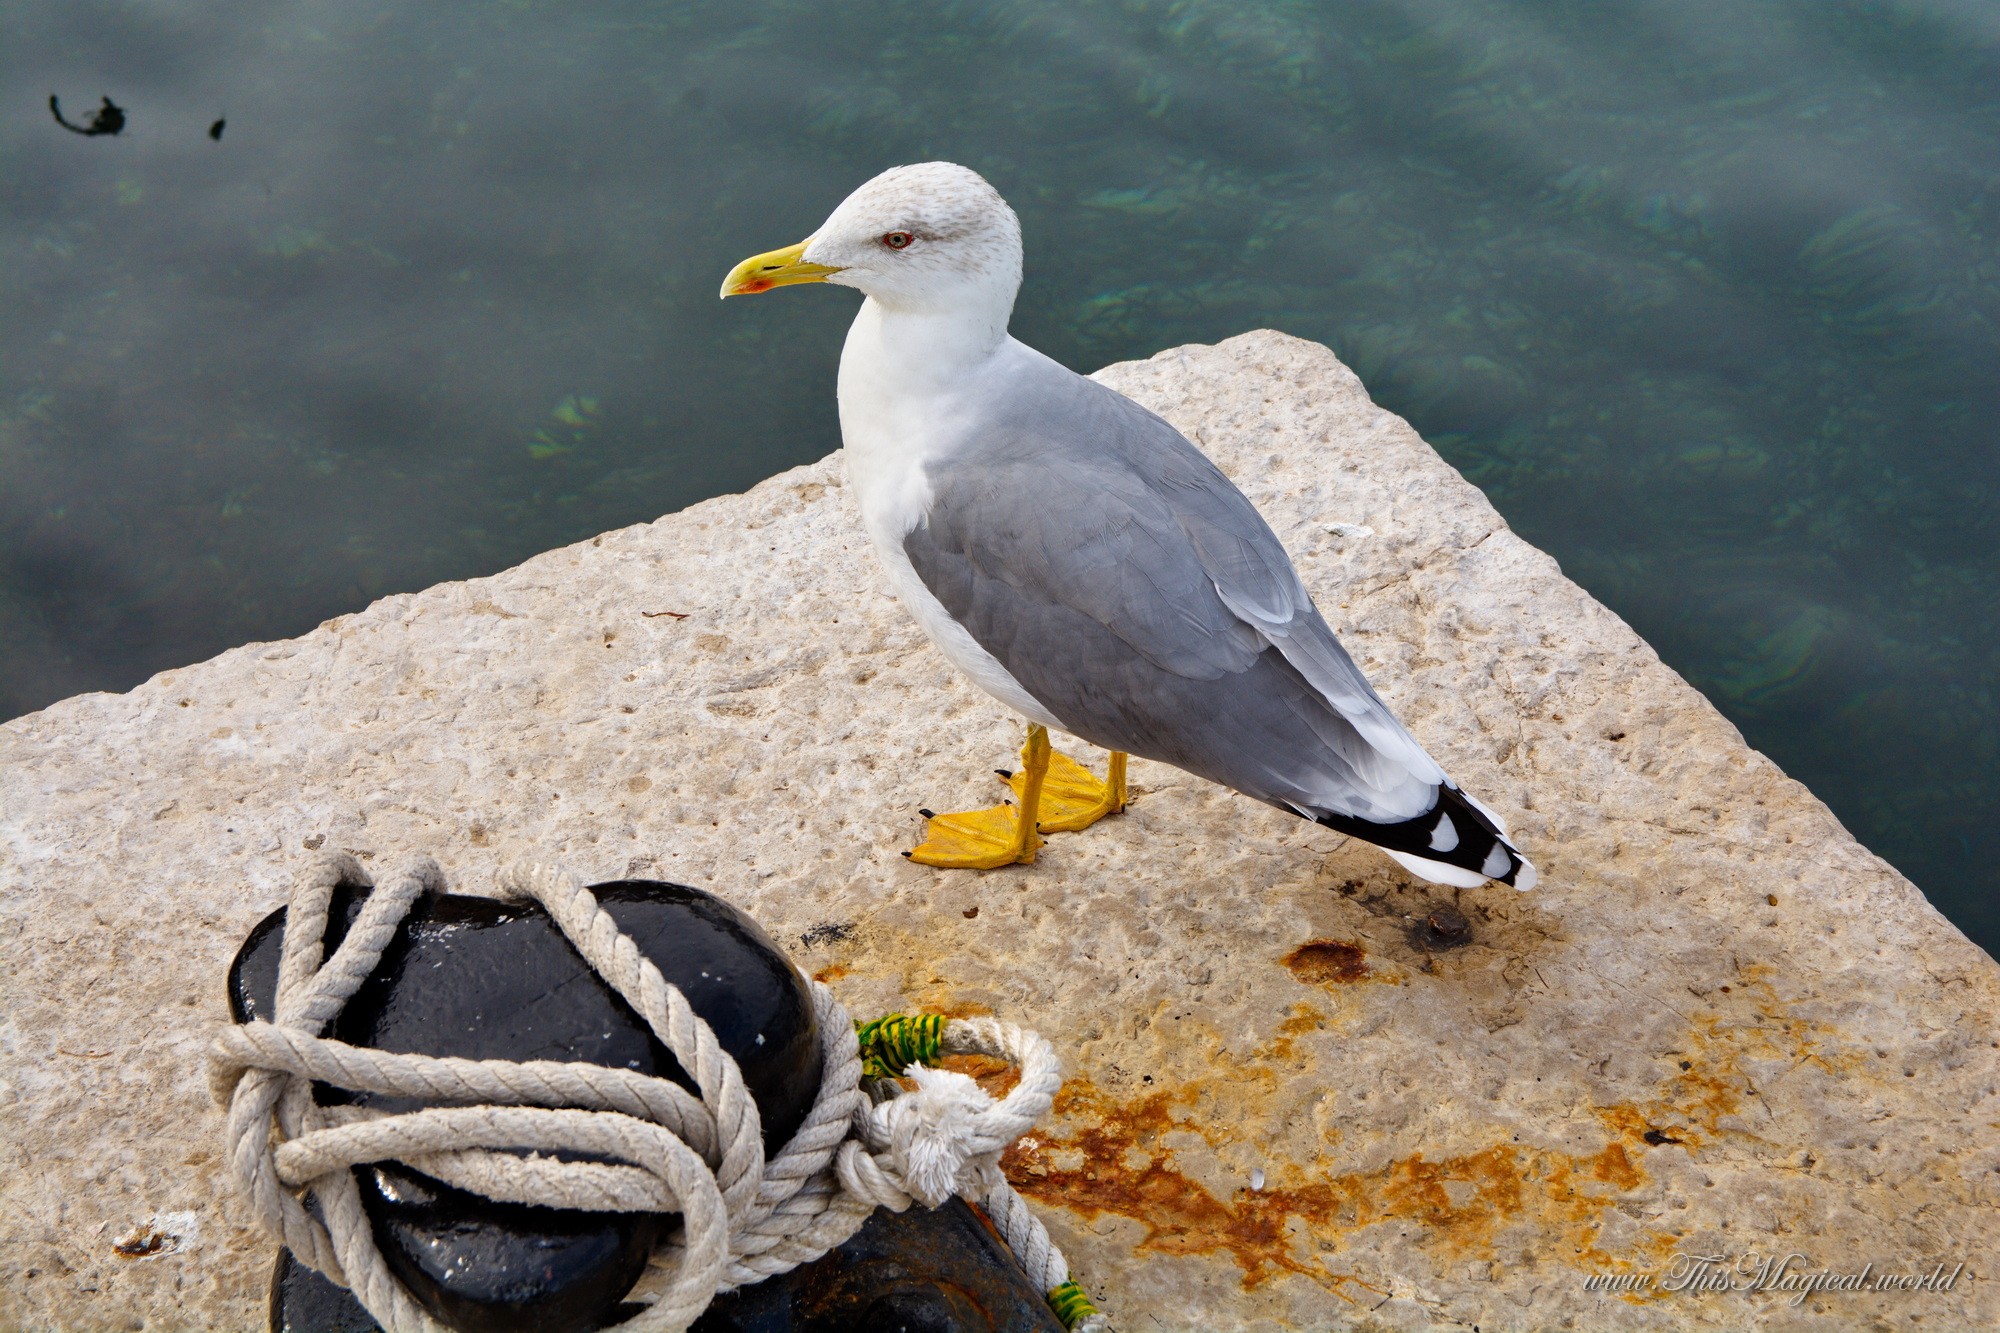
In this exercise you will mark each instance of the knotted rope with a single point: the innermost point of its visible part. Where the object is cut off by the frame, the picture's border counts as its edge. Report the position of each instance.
(743, 1218)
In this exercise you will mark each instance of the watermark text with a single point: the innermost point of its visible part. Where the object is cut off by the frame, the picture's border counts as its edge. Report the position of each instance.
(1791, 1275)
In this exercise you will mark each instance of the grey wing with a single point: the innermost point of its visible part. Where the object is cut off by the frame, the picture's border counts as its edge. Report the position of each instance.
(1130, 588)
(1256, 581)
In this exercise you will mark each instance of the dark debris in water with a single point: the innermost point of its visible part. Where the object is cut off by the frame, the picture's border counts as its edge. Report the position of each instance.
(1710, 311)
(108, 118)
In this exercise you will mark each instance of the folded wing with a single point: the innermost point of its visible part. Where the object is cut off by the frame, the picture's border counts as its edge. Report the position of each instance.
(1134, 592)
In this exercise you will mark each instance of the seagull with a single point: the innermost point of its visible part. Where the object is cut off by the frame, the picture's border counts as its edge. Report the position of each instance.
(1087, 566)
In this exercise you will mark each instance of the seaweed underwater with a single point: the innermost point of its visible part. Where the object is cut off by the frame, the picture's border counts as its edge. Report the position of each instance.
(1705, 297)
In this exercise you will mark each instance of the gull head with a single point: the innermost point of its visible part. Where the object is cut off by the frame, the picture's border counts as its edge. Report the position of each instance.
(933, 238)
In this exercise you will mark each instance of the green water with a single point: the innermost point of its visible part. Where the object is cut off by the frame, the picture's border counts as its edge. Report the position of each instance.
(1703, 294)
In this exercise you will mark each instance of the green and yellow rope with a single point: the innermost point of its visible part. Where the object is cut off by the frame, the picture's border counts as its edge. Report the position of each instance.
(1070, 1303)
(894, 1042)
(891, 1044)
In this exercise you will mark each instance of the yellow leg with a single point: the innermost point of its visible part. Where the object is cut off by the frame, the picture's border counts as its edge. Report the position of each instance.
(1002, 835)
(1072, 797)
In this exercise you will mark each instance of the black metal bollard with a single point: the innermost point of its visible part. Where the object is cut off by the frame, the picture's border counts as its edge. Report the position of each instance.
(485, 979)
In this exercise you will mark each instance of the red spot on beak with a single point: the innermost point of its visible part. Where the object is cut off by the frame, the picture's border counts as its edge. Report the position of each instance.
(755, 285)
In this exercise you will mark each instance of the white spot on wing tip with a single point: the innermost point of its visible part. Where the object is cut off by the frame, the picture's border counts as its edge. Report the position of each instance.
(1437, 872)
(1445, 836)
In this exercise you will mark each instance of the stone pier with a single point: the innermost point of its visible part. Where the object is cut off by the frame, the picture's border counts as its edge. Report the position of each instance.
(1297, 1098)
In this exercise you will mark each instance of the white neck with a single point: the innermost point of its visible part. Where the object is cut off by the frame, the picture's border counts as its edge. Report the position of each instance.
(908, 393)
(921, 351)
(903, 374)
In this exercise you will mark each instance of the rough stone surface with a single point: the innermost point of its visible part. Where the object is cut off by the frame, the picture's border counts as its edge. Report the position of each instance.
(1719, 1027)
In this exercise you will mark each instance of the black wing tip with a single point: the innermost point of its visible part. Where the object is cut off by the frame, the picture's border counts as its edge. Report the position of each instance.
(1475, 838)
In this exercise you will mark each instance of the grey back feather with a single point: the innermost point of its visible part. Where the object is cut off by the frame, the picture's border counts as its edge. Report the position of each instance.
(1128, 586)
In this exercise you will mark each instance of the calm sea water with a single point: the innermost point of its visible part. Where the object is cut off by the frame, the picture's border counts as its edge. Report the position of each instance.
(1703, 293)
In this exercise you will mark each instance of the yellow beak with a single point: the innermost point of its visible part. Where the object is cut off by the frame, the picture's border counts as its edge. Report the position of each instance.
(778, 268)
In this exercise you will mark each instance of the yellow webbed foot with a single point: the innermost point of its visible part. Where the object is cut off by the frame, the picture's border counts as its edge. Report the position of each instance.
(995, 837)
(975, 840)
(1072, 796)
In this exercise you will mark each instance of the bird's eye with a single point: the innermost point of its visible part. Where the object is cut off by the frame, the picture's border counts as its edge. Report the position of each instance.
(897, 240)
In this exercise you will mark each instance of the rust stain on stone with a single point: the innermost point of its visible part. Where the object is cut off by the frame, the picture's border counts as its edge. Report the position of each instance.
(1304, 1018)
(1118, 1163)
(1120, 1159)
(1320, 962)
(1706, 1092)
(996, 1076)
(1615, 1168)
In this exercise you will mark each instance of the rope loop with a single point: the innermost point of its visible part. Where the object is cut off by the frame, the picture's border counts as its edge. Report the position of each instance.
(658, 1148)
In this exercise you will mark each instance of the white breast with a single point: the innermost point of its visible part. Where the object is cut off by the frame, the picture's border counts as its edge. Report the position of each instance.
(893, 423)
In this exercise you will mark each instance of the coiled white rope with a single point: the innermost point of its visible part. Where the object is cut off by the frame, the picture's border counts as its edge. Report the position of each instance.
(743, 1218)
